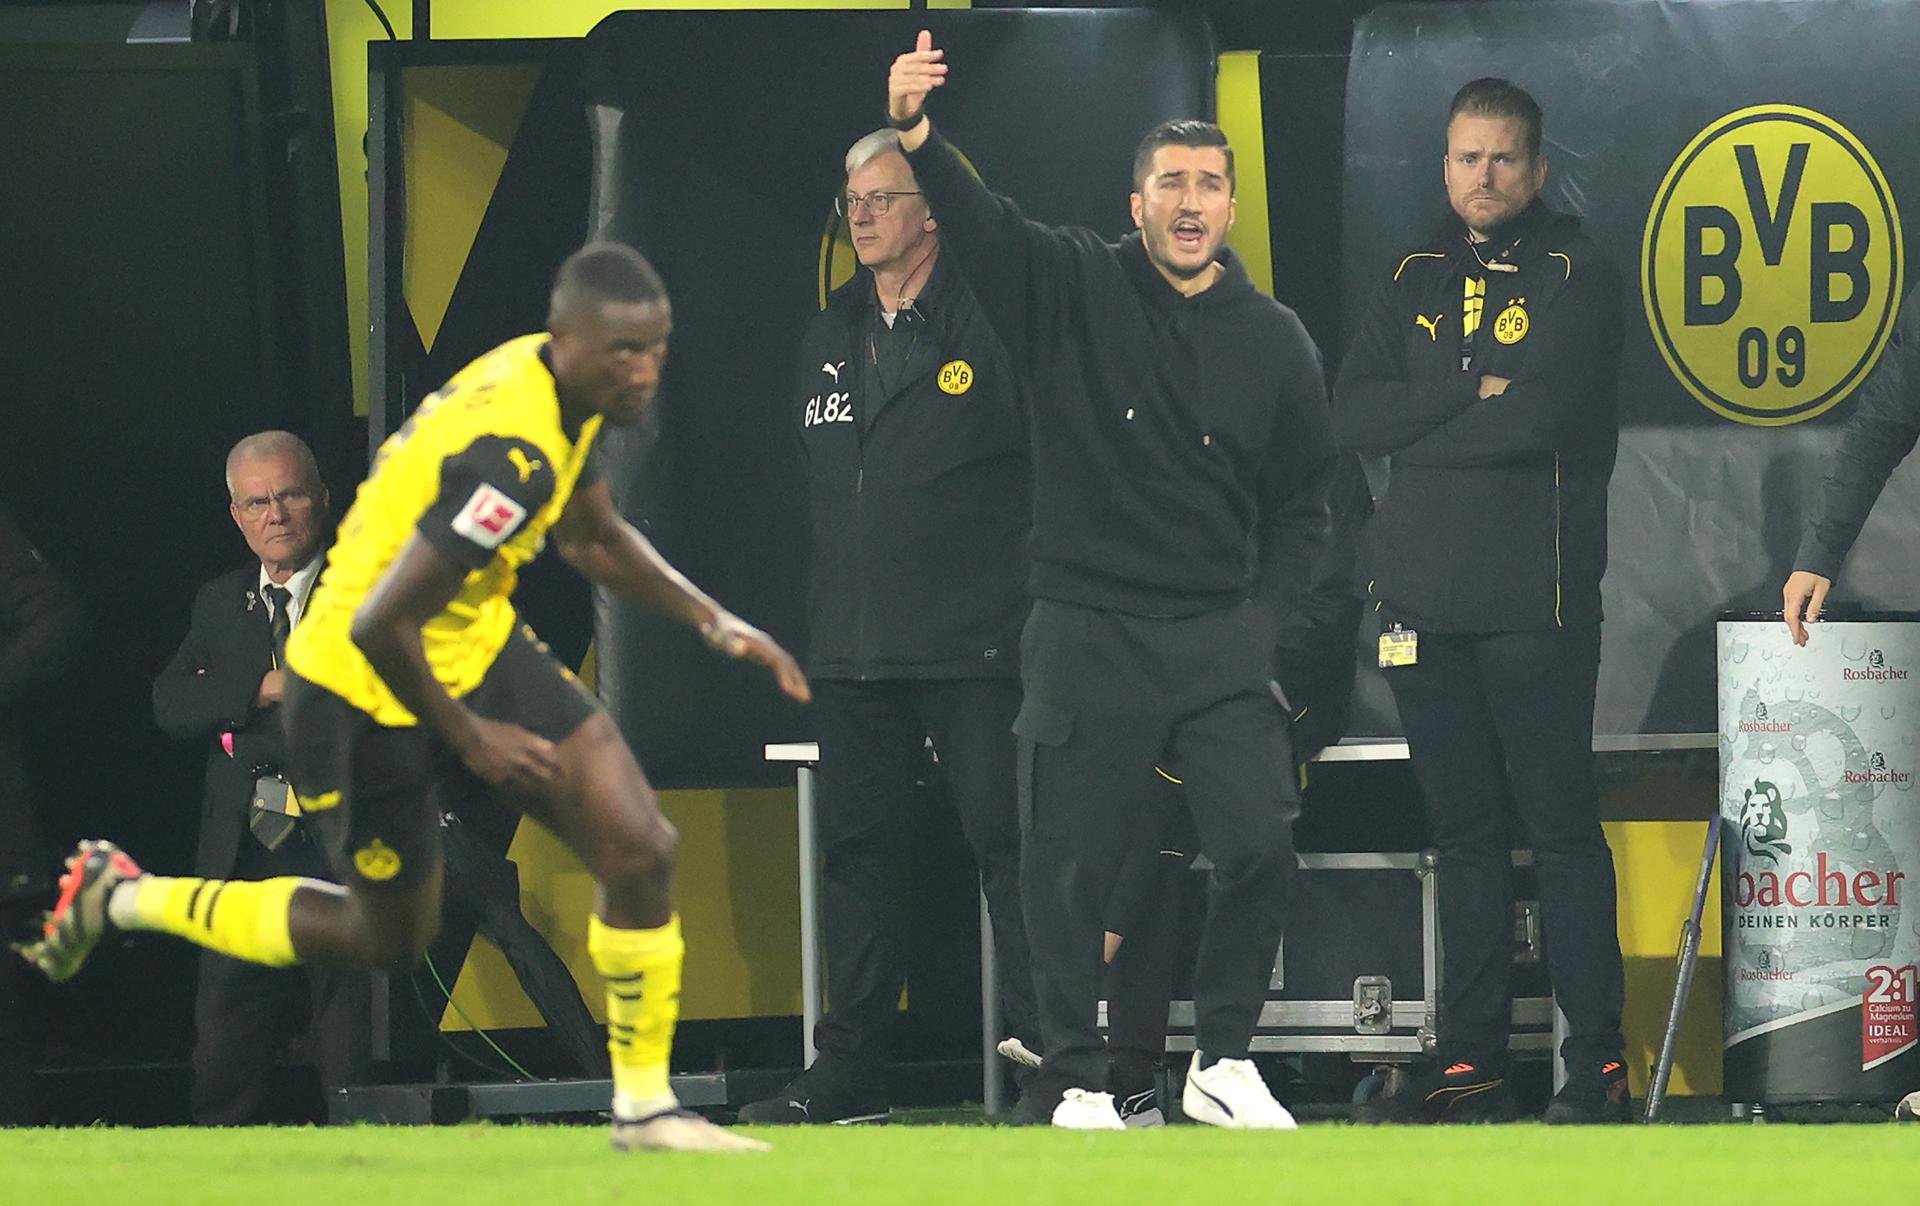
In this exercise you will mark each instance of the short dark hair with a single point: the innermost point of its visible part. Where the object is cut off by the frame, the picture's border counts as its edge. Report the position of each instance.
(1492, 96)
(603, 273)
(1182, 132)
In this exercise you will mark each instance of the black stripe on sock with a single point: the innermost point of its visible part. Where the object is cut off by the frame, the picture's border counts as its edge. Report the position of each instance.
(626, 996)
(213, 902)
(634, 978)
(193, 902)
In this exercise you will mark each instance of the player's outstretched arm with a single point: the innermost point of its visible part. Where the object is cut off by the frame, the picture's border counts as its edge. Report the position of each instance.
(595, 540)
(417, 587)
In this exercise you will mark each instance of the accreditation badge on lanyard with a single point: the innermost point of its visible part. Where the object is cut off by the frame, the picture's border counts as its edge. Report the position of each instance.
(1399, 646)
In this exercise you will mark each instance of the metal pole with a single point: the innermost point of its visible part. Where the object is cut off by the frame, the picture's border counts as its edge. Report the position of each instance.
(1560, 1029)
(810, 991)
(990, 1079)
(1683, 977)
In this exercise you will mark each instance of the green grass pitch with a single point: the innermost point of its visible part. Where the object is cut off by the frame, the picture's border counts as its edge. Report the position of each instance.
(561, 1165)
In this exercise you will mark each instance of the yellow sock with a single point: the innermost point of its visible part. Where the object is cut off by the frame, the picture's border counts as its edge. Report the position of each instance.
(642, 971)
(247, 919)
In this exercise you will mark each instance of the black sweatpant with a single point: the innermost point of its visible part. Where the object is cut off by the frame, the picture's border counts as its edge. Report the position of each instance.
(1109, 697)
(1493, 718)
(1149, 909)
(872, 740)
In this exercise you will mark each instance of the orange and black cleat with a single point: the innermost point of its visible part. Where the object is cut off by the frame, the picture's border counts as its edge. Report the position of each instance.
(1460, 1092)
(78, 918)
(1593, 1094)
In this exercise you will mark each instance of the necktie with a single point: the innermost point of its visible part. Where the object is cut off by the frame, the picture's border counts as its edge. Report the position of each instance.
(282, 622)
(269, 818)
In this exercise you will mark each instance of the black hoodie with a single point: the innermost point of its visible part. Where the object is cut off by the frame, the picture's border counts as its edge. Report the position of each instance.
(1495, 518)
(1180, 444)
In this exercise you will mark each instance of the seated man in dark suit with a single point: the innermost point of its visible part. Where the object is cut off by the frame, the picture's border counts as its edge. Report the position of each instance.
(223, 688)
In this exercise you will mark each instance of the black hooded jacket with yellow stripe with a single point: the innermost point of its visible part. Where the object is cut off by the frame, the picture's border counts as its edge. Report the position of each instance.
(1495, 516)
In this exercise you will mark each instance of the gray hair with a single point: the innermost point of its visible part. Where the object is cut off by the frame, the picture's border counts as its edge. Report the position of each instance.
(264, 444)
(871, 147)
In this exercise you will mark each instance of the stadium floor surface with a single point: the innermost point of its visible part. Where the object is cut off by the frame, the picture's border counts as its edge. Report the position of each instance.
(370, 1166)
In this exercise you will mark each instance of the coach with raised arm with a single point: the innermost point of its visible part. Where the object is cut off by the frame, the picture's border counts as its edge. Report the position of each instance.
(1181, 449)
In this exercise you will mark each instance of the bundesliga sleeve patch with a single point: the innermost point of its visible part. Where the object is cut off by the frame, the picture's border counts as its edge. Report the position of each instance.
(489, 518)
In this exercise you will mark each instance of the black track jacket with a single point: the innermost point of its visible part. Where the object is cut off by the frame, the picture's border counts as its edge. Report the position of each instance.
(918, 480)
(1495, 518)
(1879, 434)
(1179, 444)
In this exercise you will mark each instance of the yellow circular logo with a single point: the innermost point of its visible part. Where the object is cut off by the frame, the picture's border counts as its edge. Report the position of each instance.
(956, 376)
(1511, 326)
(1771, 265)
(376, 861)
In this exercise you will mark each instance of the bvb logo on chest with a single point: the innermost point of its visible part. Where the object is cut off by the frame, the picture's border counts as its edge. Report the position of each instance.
(956, 377)
(1512, 324)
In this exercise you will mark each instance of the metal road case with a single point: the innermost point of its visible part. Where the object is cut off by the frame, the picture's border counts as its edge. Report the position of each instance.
(1359, 972)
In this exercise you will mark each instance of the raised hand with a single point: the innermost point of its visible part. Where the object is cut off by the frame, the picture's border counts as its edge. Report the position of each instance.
(914, 74)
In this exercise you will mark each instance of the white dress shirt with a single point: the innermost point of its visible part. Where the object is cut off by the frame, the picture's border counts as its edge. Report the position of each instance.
(300, 586)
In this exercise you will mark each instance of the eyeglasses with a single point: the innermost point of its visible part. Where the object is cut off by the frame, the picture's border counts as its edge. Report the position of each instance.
(877, 203)
(296, 499)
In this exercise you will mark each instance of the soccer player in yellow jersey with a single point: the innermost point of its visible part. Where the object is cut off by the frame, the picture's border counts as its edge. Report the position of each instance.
(410, 681)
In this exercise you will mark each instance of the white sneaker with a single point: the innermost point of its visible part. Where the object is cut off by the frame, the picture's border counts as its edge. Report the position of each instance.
(1909, 1108)
(1018, 1052)
(1231, 1094)
(678, 1130)
(1080, 1110)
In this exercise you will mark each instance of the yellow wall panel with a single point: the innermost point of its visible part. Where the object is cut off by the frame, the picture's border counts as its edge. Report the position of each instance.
(1237, 104)
(737, 889)
(1657, 864)
(351, 27)
(460, 123)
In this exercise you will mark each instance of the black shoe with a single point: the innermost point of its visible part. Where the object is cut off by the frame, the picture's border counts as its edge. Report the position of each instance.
(802, 1103)
(1461, 1092)
(1130, 1078)
(1139, 1108)
(1032, 1109)
(1593, 1095)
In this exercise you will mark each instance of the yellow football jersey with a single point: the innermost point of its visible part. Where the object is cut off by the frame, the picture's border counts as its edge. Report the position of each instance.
(482, 469)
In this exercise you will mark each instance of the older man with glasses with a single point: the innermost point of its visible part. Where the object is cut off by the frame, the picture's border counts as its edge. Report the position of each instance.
(912, 431)
(223, 690)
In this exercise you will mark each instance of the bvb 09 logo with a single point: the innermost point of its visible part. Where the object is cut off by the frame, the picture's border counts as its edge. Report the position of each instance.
(1771, 265)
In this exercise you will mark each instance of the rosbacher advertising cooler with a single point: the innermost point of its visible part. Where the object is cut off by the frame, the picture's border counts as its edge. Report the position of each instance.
(1820, 858)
